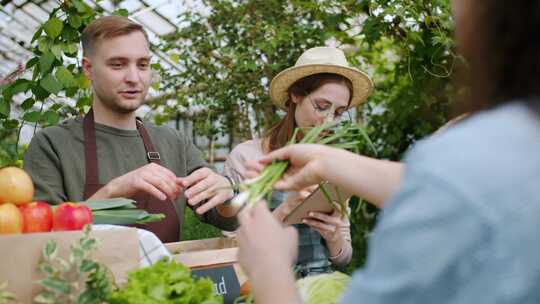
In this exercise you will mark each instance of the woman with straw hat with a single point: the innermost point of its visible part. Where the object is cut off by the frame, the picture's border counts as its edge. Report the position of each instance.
(320, 87)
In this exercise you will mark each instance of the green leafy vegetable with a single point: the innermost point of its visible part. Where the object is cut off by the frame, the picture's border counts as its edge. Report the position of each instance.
(324, 288)
(120, 211)
(112, 203)
(124, 217)
(165, 282)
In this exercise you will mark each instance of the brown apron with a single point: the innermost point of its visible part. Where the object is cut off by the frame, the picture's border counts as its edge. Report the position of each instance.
(168, 229)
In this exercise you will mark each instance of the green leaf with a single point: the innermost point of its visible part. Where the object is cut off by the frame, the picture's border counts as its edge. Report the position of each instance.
(39, 92)
(175, 58)
(80, 6)
(87, 265)
(415, 37)
(57, 51)
(10, 124)
(19, 86)
(6, 296)
(28, 103)
(84, 82)
(55, 107)
(6, 92)
(373, 29)
(53, 27)
(70, 34)
(32, 62)
(45, 298)
(46, 268)
(155, 85)
(251, 65)
(44, 44)
(74, 20)
(63, 263)
(117, 217)
(35, 74)
(65, 77)
(55, 285)
(49, 251)
(152, 217)
(76, 253)
(50, 84)
(83, 102)
(37, 34)
(124, 216)
(88, 244)
(111, 203)
(158, 291)
(70, 92)
(51, 117)
(86, 231)
(5, 107)
(33, 116)
(71, 48)
(121, 12)
(45, 62)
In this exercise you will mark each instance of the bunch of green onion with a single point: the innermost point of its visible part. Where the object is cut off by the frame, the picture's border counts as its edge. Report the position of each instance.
(120, 211)
(344, 135)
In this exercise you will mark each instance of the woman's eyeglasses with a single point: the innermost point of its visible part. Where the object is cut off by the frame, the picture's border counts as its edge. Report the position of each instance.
(329, 112)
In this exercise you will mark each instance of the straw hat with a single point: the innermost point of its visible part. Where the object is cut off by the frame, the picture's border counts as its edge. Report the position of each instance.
(320, 60)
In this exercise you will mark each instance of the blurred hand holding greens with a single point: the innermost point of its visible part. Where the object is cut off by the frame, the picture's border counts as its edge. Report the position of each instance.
(345, 135)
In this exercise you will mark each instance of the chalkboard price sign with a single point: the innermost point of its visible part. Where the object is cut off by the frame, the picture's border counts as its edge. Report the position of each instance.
(225, 281)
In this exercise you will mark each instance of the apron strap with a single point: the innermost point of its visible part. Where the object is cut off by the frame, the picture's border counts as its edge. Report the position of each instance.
(90, 149)
(151, 153)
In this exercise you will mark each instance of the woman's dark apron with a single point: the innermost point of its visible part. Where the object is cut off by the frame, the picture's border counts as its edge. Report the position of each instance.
(167, 229)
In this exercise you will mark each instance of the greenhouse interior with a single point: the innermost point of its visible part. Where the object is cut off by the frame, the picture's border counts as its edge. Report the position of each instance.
(218, 151)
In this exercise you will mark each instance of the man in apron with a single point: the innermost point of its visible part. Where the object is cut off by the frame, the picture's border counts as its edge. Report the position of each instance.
(111, 153)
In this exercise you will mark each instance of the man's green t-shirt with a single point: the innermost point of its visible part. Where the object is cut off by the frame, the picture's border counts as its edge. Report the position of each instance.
(55, 160)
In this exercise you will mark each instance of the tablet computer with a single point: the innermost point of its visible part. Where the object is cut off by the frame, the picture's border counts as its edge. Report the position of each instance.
(316, 202)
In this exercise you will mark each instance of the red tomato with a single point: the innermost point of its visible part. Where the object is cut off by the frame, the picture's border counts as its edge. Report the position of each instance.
(71, 216)
(37, 216)
(10, 219)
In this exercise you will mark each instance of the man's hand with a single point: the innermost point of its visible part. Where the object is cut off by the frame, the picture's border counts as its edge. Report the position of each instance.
(205, 184)
(153, 179)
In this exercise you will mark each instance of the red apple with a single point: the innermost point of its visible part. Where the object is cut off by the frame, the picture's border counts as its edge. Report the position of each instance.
(71, 216)
(37, 217)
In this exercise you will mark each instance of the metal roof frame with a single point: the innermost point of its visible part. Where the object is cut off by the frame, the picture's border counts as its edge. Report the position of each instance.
(19, 13)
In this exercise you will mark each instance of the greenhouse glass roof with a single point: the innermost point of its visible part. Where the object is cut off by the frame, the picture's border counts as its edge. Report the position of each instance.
(19, 19)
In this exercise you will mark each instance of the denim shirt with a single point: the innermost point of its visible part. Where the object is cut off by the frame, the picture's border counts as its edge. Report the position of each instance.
(464, 227)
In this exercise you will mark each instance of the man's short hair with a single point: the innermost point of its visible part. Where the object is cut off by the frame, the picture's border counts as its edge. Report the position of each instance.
(105, 28)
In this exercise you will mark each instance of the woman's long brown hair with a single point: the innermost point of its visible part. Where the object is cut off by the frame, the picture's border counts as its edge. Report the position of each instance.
(280, 134)
(501, 46)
